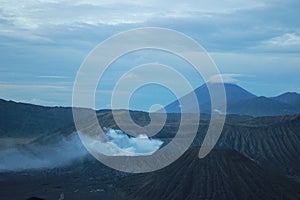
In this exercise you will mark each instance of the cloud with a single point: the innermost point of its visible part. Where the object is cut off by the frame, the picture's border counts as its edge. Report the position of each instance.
(20, 87)
(284, 43)
(221, 25)
(22, 35)
(287, 39)
(34, 14)
(37, 101)
(226, 78)
(53, 77)
(41, 93)
(39, 37)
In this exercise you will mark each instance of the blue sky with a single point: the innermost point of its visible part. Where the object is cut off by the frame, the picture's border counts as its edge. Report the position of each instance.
(255, 44)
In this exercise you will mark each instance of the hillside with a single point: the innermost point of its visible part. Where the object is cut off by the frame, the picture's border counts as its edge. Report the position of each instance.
(28, 120)
(223, 174)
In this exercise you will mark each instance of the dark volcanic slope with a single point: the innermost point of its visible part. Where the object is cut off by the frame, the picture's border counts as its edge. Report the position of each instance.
(273, 142)
(223, 174)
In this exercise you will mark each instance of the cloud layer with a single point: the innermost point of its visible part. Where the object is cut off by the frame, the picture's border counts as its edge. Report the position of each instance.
(51, 38)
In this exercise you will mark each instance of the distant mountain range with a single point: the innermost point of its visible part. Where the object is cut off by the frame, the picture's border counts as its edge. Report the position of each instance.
(25, 119)
(240, 102)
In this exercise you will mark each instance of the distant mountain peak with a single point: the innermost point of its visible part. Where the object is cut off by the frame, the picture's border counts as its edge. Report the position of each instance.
(262, 97)
(224, 83)
(239, 101)
(289, 94)
(233, 93)
(291, 98)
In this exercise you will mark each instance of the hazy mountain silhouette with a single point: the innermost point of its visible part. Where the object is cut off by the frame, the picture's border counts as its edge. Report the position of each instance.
(240, 102)
(291, 98)
(261, 106)
(234, 93)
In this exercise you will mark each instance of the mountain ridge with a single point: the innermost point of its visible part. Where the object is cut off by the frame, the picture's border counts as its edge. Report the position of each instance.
(240, 102)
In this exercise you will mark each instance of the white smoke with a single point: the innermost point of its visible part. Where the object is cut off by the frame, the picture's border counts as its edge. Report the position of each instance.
(60, 150)
(120, 144)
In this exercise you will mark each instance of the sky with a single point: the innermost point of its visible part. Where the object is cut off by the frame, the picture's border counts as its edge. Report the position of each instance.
(255, 44)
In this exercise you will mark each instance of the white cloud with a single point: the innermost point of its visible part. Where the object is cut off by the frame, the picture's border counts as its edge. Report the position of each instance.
(33, 14)
(287, 39)
(52, 77)
(37, 101)
(226, 78)
(65, 30)
(20, 87)
(24, 35)
(284, 43)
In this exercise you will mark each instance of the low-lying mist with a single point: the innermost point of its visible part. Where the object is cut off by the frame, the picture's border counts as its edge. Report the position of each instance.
(40, 155)
(60, 150)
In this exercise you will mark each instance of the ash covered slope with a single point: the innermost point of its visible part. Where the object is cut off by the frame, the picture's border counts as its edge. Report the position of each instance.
(223, 174)
(273, 142)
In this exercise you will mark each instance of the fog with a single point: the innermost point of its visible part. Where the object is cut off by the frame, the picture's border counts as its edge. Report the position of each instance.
(39, 155)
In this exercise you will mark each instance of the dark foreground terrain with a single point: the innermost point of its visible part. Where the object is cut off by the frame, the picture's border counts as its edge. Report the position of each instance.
(86, 179)
(255, 158)
(223, 174)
